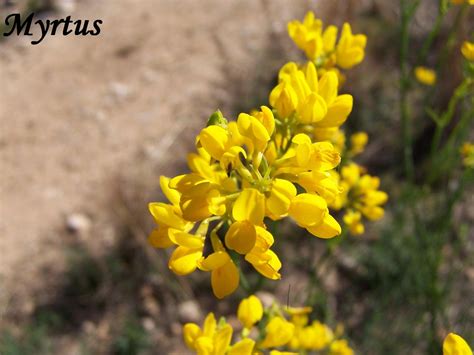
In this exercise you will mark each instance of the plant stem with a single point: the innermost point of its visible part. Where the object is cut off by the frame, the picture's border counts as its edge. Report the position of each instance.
(406, 13)
(442, 9)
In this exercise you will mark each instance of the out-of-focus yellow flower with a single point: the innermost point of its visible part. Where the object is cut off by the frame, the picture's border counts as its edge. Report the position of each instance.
(250, 311)
(467, 50)
(360, 196)
(212, 339)
(358, 142)
(272, 330)
(455, 345)
(460, 2)
(350, 49)
(353, 220)
(340, 347)
(425, 75)
(278, 332)
(467, 153)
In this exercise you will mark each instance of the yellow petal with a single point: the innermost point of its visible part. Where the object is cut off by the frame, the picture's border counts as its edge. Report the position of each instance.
(455, 345)
(214, 139)
(209, 326)
(222, 339)
(308, 209)
(268, 120)
(241, 237)
(337, 111)
(185, 239)
(328, 229)
(284, 98)
(328, 87)
(171, 194)
(313, 109)
(214, 261)
(225, 280)
(249, 206)
(311, 77)
(191, 332)
(266, 263)
(184, 260)
(243, 347)
(329, 38)
(280, 198)
(264, 239)
(159, 237)
(166, 214)
(204, 346)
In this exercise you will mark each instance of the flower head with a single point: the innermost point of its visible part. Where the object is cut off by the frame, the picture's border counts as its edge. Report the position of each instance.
(321, 46)
(425, 75)
(467, 50)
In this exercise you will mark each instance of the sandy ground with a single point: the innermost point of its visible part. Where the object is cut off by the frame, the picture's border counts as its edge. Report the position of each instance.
(78, 113)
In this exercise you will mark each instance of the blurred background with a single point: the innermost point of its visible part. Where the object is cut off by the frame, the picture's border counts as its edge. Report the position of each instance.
(88, 124)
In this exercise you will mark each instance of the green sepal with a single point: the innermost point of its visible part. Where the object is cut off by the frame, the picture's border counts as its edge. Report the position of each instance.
(217, 119)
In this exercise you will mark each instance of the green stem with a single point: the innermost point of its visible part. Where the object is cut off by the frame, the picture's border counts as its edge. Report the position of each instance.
(442, 9)
(406, 13)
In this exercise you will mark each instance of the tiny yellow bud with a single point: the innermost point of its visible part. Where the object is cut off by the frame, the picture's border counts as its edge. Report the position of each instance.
(425, 75)
(467, 50)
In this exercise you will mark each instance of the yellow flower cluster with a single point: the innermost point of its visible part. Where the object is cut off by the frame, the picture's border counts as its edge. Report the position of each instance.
(321, 46)
(360, 197)
(273, 163)
(263, 331)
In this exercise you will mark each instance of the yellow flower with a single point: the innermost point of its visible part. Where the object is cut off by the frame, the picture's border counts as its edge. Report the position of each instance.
(425, 75)
(340, 347)
(278, 332)
(358, 142)
(250, 311)
(216, 338)
(353, 220)
(212, 339)
(467, 50)
(185, 257)
(460, 2)
(320, 45)
(360, 195)
(313, 100)
(467, 153)
(350, 49)
(310, 211)
(224, 274)
(455, 345)
(264, 260)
